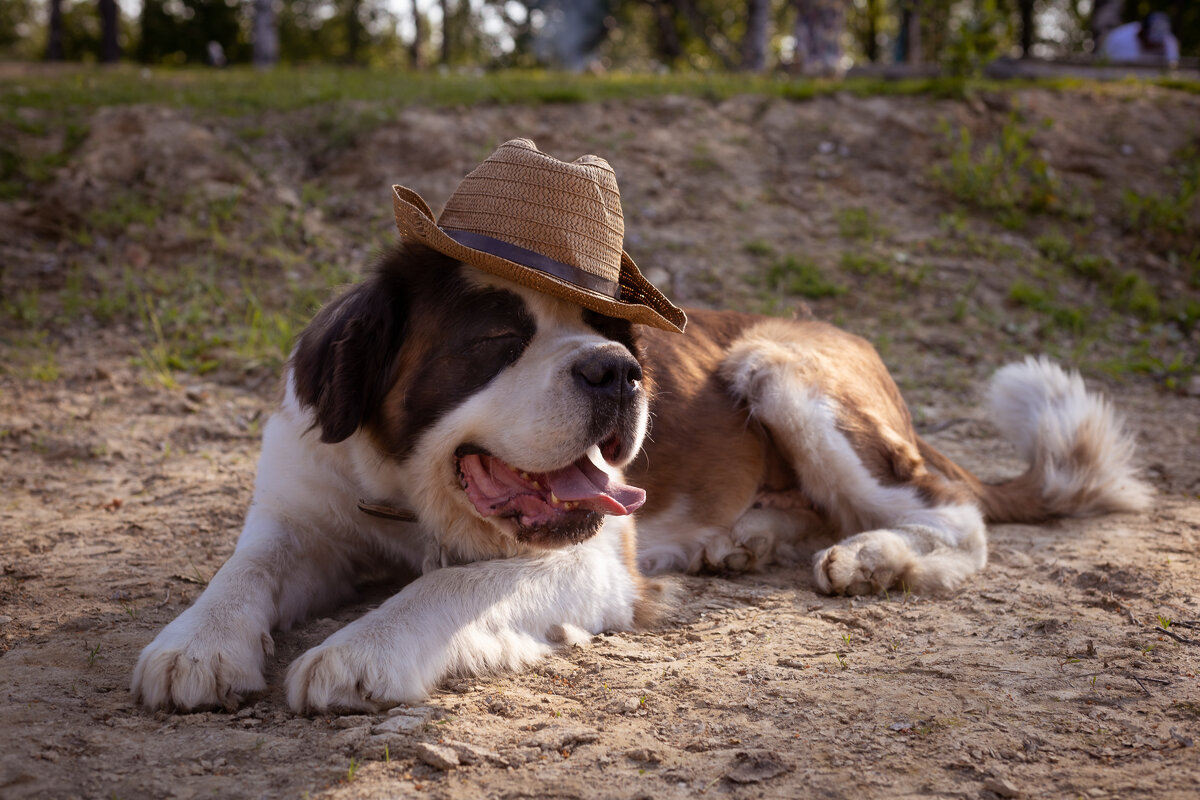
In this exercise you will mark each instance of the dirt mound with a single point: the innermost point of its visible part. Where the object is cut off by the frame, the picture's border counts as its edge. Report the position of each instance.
(158, 148)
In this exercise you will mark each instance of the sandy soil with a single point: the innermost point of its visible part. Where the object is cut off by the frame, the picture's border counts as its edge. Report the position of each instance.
(1046, 676)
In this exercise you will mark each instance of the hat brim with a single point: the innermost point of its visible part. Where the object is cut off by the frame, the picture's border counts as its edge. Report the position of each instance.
(637, 301)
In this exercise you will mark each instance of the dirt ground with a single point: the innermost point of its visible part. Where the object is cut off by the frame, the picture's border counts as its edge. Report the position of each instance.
(1046, 676)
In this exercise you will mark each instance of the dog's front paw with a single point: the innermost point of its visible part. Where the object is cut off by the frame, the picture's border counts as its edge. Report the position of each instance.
(866, 563)
(353, 674)
(197, 663)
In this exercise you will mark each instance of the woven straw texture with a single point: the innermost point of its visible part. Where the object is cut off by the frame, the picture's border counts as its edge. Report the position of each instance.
(570, 213)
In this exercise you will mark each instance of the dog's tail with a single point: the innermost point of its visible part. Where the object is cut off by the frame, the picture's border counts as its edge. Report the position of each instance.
(1079, 454)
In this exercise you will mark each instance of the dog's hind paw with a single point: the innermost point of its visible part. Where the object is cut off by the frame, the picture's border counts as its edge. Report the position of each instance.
(863, 564)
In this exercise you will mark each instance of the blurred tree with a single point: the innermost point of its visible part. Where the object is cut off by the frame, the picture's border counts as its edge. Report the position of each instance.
(158, 29)
(416, 50)
(81, 35)
(754, 42)
(352, 11)
(984, 31)
(178, 31)
(265, 37)
(667, 40)
(908, 39)
(866, 20)
(819, 27)
(1028, 27)
(447, 32)
(571, 32)
(16, 23)
(54, 32)
(110, 47)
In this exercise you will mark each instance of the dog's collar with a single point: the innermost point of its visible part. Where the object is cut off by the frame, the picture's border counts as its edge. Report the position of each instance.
(387, 512)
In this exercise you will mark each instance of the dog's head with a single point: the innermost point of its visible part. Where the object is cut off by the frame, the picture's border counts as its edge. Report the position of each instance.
(497, 411)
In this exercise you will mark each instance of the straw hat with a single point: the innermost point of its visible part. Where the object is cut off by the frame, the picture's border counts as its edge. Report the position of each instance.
(546, 224)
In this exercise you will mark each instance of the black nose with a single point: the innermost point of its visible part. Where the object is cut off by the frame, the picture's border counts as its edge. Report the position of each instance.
(607, 372)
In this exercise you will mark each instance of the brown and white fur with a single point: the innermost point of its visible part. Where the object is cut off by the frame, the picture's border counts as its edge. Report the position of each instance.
(762, 430)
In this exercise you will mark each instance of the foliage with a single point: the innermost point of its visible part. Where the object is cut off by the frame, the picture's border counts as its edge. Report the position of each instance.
(703, 35)
(800, 276)
(17, 25)
(1007, 175)
(1169, 218)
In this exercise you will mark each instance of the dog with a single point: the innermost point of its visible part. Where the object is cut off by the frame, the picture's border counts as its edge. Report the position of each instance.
(507, 407)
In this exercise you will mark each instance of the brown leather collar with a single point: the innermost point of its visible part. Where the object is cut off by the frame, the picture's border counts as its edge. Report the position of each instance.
(387, 512)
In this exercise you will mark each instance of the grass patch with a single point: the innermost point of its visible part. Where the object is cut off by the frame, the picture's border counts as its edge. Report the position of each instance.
(758, 247)
(243, 90)
(792, 276)
(858, 224)
(1073, 320)
(1007, 176)
(1168, 219)
(865, 263)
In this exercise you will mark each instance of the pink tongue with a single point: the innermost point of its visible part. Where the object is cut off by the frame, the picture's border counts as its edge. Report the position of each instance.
(585, 483)
(494, 487)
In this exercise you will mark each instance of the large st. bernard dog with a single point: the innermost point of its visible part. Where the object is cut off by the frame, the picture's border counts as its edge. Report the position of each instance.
(493, 404)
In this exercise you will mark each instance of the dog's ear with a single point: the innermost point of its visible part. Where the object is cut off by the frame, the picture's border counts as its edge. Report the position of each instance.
(342, 366)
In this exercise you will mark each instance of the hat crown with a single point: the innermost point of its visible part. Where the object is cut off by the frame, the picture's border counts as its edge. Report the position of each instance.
(568, 212)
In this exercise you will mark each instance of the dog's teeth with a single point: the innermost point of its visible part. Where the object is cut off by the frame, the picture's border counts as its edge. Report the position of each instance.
(536, 485)
(525, 476)
(569, 506)
(554, 499)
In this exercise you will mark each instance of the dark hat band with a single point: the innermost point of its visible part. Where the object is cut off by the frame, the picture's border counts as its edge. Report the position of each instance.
(533, 260)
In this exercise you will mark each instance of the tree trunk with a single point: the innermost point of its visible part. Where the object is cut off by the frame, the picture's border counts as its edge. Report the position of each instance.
(54, 42)
(110, 46)
(416, 49)
(446, 32)
(908, 40)
(266, 34)
(819, 27)
(354, 31)
(872, 31)
(1028, 28)
(669, 47)
(754, 44)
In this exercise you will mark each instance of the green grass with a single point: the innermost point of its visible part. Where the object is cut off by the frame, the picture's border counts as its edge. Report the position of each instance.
(244, 90)
(1007, 176)
(1073, 320)
(800, 276)
(857, 224)
(1172, 218)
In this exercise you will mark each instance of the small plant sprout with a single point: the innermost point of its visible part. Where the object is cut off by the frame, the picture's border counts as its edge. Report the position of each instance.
(352, 771)
(1164, 622)
(93, 654)
(1093, 683)
(846, 638)
(387, 756)
(841, 659)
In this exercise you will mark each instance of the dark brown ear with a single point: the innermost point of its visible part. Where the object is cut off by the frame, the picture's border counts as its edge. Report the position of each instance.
(343, 363)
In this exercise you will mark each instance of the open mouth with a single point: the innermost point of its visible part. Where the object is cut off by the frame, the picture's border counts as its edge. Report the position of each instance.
(572, 497)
